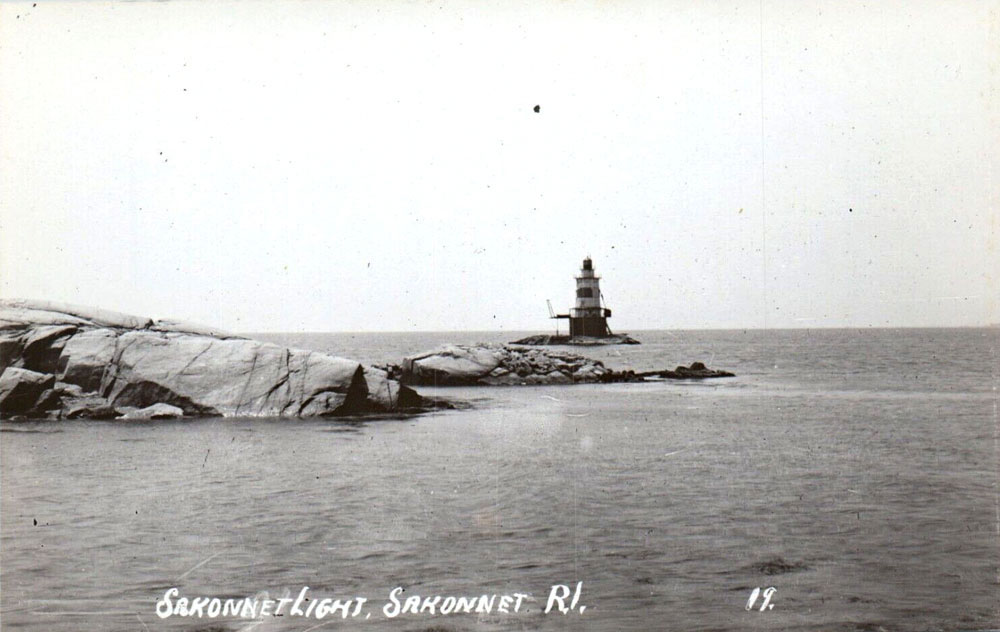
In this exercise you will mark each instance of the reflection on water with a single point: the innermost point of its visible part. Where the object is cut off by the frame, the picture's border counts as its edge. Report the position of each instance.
(855, 472)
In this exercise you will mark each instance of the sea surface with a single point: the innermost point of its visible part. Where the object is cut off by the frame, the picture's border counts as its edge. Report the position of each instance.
(854, 471)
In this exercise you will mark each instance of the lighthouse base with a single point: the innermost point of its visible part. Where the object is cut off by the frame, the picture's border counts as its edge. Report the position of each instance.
(593, 326)
(579, 341)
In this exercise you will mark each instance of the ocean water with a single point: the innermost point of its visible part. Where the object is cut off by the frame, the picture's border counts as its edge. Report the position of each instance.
(853, 471)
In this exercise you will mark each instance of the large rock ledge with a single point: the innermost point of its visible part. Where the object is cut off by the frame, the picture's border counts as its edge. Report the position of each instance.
(502, 365)
(63, 362)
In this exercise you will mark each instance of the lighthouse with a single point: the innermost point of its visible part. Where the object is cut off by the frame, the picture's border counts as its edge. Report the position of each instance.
(587, 318)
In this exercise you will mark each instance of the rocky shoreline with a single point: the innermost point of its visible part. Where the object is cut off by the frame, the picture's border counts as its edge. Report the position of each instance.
(506, 365)
(65, 362)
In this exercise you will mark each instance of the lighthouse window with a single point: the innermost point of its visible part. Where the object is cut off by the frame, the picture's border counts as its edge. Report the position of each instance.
(585, 292)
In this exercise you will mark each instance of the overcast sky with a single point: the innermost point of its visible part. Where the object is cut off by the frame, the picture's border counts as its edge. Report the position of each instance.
(369, 165)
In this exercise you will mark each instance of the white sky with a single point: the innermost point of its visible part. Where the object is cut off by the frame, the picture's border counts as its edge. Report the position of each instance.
(369, 165)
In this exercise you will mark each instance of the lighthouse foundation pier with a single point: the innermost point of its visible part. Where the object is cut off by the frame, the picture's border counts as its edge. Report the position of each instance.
(577, 341)
(589, 326)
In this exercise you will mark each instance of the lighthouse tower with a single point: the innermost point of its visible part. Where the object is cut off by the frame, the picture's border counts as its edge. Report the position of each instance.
(588, 318)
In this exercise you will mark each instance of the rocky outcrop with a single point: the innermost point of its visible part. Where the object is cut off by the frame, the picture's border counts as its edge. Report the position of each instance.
(697, 371)
(578, 341)
(501, 365)
(156, 411)
(65, 362)
(20, 389)
(495, 365)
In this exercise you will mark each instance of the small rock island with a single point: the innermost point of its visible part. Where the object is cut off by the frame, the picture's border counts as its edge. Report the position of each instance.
(507, 365)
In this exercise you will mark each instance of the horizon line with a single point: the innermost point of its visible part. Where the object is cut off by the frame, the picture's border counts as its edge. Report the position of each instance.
(679, 329)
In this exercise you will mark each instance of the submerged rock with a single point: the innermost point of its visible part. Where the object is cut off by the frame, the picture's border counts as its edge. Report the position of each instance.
(697, 371)
(106, 362)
